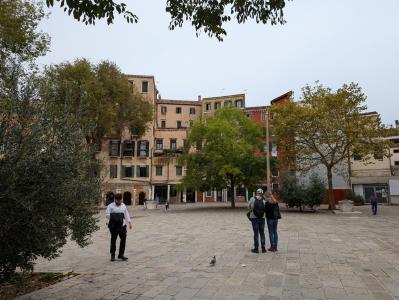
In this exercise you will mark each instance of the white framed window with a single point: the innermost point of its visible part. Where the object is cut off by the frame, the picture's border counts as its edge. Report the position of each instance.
(144, 86)
(208, 106)
(263, 115)
(208, 194)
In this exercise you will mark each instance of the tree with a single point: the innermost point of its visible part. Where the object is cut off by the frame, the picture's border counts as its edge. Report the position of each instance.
(315, 191)
(292, 191)
(47, 188)
(326, 128)
(225, 157)
(209, 15)
(99, 96)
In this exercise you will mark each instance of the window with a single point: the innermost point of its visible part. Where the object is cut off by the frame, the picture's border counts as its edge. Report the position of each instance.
(395, 150)
(192, 110)
(178, 110)
(240, 191)
(142, 171)
(248, 115)
(264, 147)
(178, 124)
(217, 105)
(128, 148)
(396, 162)
(179, 171)
(159, 144)
(191, 123)
(132, 85)
(227, 103)
(113, 171)
(164, 109)
(275, 173)
(208, 106)
(274, 187)
(263, 115)
(158, 170)
(163, 124)
(114, 148)
(274, 150)
(144, 86)
(238, 103)
(127, 171)
(173, 144)
(142, 148)
(272, 115)
(208, 194)
(172, 191)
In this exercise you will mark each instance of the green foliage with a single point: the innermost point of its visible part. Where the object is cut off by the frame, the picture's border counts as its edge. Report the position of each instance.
(325, 128)
(227, 157)
(209, 16)
(47, 183)
(99, 96)
(292, 191)
(314, 191)
(357, 199)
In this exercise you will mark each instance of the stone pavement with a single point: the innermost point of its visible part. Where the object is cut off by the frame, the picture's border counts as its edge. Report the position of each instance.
(321, 256)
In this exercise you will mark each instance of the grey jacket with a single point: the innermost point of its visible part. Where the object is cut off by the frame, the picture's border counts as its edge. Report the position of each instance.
(251, 207)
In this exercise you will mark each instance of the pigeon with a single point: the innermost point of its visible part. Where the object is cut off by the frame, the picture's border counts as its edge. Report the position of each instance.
(213, 261)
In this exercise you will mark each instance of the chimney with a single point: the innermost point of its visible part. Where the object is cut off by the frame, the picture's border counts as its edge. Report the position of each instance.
(397, 125)
(199, 97)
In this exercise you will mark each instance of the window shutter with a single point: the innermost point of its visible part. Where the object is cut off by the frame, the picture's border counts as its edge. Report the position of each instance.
(147, 173)
(147, 147)
(123, 171)
(138, 148)
(137, 171)
(133, 148)
(110, 148)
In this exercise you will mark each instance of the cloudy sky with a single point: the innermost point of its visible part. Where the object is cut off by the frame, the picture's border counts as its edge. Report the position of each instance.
(333, 41)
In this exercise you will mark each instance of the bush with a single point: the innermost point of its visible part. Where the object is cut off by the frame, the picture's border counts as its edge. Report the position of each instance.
(315, 191)
(357, 199)
(292, 192)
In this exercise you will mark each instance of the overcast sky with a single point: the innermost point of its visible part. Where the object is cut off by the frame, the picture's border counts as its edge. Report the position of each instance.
(334, 41)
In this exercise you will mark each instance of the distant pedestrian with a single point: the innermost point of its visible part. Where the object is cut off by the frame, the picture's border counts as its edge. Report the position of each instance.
(166, 205)
(374, 202)
(156, 201)
(256, 207)
(145, 203)
(118, 217)
(272, 215)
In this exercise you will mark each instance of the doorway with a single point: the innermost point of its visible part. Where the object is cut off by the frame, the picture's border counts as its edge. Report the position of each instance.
(141, 198)
(127, 198)
(162, 192)
(381, 191)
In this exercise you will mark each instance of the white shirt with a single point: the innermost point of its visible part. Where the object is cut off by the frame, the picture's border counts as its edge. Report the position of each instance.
(113, 208)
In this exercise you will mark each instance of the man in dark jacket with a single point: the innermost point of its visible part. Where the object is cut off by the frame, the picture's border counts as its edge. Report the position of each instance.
(256, 206)
(272, 212)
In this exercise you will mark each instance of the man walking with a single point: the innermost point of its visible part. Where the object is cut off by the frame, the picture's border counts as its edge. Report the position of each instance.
(374, 203)
(256, 206)
(118, 217)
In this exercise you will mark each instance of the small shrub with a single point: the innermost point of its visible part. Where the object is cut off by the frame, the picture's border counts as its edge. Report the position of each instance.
(315, 191)
(357, 199)
(292, 192)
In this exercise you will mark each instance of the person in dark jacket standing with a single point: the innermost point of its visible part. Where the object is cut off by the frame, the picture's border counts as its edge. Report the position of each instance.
(256, 207)
(118, 217)
(272, 211)
(374, 203)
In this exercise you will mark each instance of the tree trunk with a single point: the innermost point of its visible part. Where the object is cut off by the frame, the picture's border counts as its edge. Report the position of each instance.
(331, 200)
(232, 183)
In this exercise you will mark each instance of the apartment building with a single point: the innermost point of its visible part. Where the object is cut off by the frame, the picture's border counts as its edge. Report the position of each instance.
(379, 175)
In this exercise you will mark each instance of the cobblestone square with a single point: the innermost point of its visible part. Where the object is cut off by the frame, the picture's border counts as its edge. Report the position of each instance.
(321, 256)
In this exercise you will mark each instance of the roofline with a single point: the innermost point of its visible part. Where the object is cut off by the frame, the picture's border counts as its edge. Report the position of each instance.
(256, 107)
(140, 76)
(287, 94)
(226, 96)
(182, 102)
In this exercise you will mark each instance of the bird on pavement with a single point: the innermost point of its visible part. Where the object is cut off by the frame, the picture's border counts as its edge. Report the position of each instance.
(213, 261)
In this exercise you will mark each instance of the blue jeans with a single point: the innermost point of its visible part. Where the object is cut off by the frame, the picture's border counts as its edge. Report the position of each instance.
(374, 207)
(272, 228)
(258, 225)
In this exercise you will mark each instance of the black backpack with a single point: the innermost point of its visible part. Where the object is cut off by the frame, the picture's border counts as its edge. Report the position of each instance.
(259, 208)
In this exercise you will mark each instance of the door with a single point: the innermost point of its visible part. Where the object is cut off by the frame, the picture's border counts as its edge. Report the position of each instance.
(190, 196)
(381, 191)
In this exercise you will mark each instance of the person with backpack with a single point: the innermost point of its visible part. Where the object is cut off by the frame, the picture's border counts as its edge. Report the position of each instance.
(256, 207)
(272, 211)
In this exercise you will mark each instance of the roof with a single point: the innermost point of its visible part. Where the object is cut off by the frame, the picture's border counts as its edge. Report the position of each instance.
(256, 108)
(287, 94)
(179, 102)
(226, 96)
(140, 76)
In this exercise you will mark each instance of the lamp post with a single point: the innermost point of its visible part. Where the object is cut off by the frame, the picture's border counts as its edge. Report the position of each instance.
(267, 152)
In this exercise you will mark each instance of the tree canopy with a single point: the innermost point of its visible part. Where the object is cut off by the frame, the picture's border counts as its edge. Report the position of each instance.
(226, 144)
(326, 128)
(99, 96)
(208, 15)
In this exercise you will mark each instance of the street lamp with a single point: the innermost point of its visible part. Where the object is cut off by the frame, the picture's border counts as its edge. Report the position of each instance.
(267, 152)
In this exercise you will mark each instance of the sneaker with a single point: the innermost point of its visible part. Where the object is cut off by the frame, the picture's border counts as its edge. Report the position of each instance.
(112, 257)
(263, 250)
(122, 257)
(254, 250)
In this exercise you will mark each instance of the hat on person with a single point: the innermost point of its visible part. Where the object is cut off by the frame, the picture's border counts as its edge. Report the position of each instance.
(118, 196)
(259, 191)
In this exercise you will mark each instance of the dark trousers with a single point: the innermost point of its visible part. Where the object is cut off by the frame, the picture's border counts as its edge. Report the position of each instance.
(258, 225)
(374, 207)
(272, 228)
(121, 231)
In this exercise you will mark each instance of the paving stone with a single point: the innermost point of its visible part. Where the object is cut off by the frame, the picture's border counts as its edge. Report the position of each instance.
(321, 256)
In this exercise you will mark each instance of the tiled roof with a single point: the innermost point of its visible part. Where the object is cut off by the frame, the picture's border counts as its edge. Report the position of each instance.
(227, 96)
(287, 94)
(179, 102)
